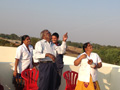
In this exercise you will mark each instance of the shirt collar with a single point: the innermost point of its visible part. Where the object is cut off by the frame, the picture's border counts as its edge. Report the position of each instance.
(25, 46)
(43, 40)
(87, 55)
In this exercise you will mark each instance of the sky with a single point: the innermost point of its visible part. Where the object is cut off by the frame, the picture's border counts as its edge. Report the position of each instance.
(96, 21)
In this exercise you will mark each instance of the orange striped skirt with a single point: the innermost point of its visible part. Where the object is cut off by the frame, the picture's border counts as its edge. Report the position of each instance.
(91, 86)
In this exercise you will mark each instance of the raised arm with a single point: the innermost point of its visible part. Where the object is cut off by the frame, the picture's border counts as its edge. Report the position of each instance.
(62, 49)
(78, 60)
(65, 37)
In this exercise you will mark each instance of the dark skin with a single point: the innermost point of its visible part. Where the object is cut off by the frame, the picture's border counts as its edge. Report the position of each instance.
(47, 36)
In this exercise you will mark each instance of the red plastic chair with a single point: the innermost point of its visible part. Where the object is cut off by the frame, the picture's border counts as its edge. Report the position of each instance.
(30, 76)
(71, 78)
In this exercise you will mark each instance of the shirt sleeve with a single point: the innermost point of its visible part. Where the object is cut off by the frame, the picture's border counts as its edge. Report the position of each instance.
(39, 51)
(62, 48)
(79, 55)
(99, 59)
(18, 53)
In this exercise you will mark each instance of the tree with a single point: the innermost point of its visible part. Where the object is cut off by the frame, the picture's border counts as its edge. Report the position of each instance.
(34, 40)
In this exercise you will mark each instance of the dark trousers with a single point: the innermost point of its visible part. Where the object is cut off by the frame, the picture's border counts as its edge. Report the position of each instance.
(58, 78)
(59, 65)
(47, 76)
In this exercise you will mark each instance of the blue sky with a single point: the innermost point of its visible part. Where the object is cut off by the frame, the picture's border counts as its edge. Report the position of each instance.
(96, 21)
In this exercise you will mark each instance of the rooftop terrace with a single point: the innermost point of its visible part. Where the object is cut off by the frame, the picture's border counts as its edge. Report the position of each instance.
(108, 75)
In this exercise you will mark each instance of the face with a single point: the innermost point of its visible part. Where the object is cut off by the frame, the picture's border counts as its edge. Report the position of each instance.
(54, 39)
(48, 35)
(89, 48)
(27, 41)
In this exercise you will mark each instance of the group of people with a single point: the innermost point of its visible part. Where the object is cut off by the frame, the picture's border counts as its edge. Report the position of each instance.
(49, 52)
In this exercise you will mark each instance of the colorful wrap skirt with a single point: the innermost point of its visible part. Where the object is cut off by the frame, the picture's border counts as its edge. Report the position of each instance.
(90, 86)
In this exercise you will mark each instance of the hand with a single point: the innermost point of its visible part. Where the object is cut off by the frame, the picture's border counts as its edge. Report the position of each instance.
(95, 67)
(35, 68)
(65, 37)
(83, 56)
(35, 64)
(90, 61)
(15, 73)
(51, 56)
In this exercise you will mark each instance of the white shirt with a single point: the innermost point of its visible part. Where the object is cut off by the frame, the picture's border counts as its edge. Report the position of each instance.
(85, 70)
(42, 47)
(24, 56)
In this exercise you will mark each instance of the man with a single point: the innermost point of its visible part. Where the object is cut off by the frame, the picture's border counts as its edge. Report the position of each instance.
(46, 52)
(59, 60)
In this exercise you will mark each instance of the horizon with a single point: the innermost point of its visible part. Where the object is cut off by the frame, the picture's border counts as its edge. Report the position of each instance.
(93, 21)
(61, 40)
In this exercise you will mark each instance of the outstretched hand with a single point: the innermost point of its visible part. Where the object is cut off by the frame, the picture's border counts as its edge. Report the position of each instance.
(65, 37)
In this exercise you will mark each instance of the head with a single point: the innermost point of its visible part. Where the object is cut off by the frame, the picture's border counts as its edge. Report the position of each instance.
(55, 37)
(87, 47)
(25, 39)
(45, 34)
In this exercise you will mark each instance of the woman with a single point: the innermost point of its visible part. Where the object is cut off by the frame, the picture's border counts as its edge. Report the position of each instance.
(89, 63)
(23, 58)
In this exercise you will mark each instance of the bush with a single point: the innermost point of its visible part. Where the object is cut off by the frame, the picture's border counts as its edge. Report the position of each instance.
(12, 36)
(34, 40)
(109, 55)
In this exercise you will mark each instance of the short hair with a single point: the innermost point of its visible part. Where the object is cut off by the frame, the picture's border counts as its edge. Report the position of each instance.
(55, 34)
(85, 45)
(42, 33)
(23, 38)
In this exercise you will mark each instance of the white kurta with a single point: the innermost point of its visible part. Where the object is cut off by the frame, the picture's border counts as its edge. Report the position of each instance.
(24, 56)
(85, 70)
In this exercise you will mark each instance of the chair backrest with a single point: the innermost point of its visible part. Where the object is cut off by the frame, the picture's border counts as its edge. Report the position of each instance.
(71, 78)
(30, 76)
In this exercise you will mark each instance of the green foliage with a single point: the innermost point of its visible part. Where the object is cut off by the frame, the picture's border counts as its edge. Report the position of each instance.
(4, 42)
(7, 43)
(34, 40)
(12, 36)
(96, 46)
(109, 55)
(75, 44)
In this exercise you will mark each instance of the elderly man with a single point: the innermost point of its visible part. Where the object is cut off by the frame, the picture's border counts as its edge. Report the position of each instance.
(46, 52)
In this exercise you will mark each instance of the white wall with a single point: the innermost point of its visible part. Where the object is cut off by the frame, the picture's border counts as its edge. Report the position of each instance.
(108, 75)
